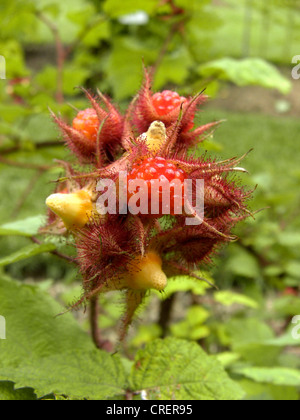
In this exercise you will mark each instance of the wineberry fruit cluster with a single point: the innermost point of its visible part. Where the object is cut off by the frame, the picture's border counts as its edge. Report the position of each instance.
(154, 140)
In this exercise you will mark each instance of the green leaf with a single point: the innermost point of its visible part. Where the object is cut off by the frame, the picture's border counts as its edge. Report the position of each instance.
(285, 340)
(290, 239)
(33, 329)
(82, 16)
(248, 330)
(287, 306)
(51, 9)
(8, 393)
(227, 358)
(193, 5)
(249, 71)
(228, 298)
(242, 263)
(192, 327)
(74, 76)
(99, 32)
(178, 369)
(264, 392)
(247, 333)
(52, 354)
(275, 376)
(91, 375)
(40, 128)
(14, 57)
(47, 78)
(145, 334)
(251, 339)
(11, 113)
(115, 8)
(124, 66)
(26, 252)
(25, 227)
(293, 269)
(187, 284)
(175, 68)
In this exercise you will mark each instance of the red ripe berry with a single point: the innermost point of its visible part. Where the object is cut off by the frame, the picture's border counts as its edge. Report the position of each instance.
(168, 174)
(166, 101)
(87, 123)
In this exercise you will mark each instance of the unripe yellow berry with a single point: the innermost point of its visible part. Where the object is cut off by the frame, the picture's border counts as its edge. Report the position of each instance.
(75, 209)
(146, 273)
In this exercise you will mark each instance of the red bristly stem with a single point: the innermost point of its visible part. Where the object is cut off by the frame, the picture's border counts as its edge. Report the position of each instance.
(165, 314)
(95, 330)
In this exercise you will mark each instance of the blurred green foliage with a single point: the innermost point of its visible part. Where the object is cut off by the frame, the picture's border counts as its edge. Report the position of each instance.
(52, 47)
